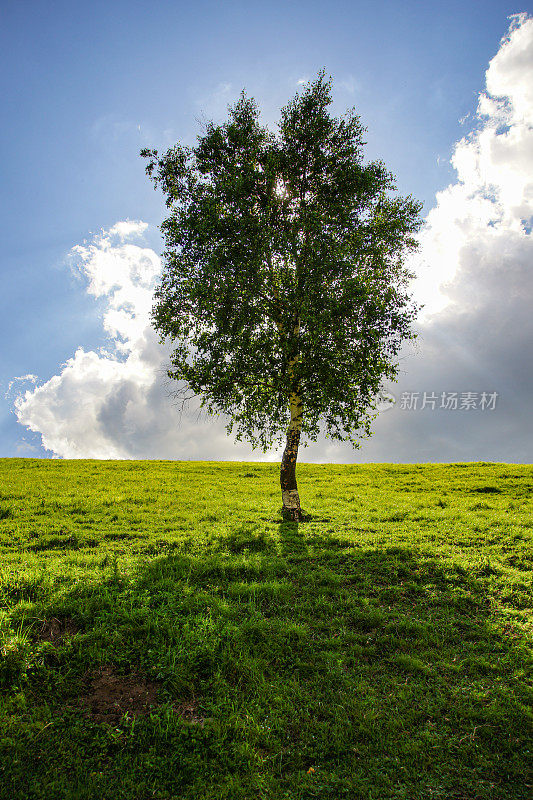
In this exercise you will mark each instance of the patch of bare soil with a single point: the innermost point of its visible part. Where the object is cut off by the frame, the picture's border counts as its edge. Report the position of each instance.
(54, 630)
(106, 696)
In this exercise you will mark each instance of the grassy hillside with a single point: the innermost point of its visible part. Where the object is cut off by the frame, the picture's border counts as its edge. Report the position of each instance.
(164, 634)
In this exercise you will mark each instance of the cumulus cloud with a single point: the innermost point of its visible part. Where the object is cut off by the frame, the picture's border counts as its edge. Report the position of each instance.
(474, 273)
(14, 385)
(493, 194)
(115, 403)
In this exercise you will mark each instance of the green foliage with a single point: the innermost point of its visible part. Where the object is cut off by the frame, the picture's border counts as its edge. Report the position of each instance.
(382, 651)
(284, 269)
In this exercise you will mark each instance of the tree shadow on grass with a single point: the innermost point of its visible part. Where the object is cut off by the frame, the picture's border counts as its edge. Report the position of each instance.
(292, 540)
(382, 670)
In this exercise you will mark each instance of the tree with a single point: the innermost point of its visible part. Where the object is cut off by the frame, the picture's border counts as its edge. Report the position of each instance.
(284, 290)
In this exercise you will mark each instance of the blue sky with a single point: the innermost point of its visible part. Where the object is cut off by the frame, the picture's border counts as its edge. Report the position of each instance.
(85, 86)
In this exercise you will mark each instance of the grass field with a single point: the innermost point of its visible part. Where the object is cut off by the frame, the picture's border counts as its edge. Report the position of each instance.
(164, 634)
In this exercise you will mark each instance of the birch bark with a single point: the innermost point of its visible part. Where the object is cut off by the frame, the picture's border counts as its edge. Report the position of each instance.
(291, 509)
(289, 490)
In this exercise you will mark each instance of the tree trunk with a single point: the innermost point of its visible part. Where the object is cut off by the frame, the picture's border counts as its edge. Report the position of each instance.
(289, 490)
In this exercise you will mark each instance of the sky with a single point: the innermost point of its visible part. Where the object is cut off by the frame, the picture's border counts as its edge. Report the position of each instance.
(445, 91)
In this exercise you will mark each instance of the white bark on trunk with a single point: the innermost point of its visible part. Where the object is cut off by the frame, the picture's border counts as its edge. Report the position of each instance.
(291, 499)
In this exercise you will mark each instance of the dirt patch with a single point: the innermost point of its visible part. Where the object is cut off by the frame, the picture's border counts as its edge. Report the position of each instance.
(54, 630)
(106, 696)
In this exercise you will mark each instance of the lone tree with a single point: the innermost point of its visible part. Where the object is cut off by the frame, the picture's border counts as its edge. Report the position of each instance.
(284, 290)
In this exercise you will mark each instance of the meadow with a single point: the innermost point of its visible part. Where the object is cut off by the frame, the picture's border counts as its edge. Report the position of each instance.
(164, 634)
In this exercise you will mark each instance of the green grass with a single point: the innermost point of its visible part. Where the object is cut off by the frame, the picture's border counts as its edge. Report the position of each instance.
(381, 650)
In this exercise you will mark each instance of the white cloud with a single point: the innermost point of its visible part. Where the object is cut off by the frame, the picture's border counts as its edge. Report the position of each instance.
(477, 331)
(114, 403)
(493, 194)
(125, 275)
(13, 387)
(126, 228)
